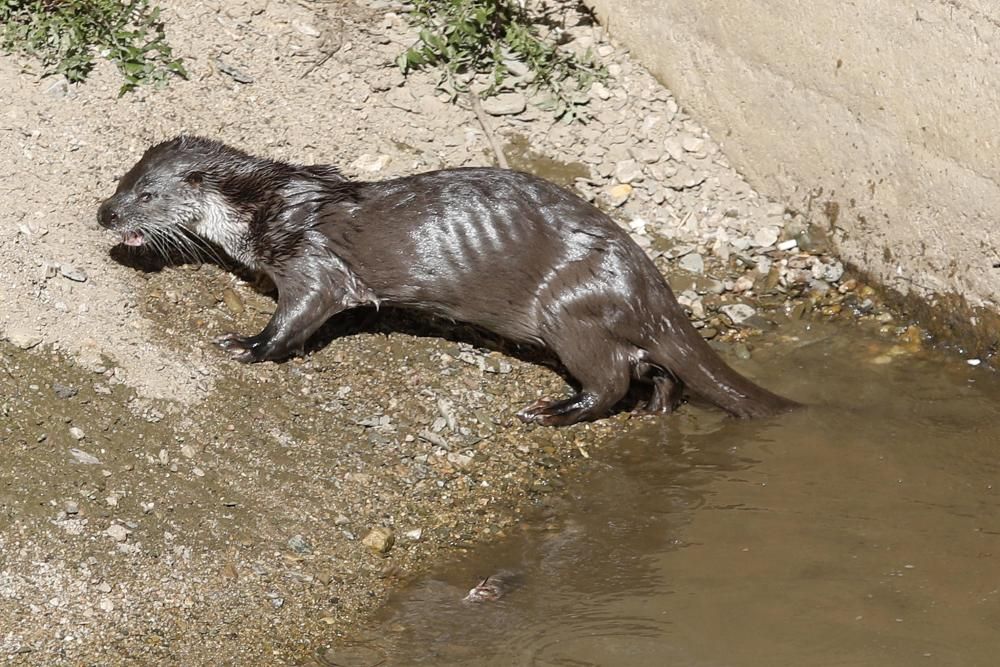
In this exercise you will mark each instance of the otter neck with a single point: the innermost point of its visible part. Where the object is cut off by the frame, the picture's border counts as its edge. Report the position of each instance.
(226, 228)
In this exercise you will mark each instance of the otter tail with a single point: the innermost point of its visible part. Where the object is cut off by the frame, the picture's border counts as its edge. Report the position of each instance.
(683, 352)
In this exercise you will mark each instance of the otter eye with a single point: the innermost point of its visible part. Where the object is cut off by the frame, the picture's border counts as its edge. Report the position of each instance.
(146, 197)
(194, 178)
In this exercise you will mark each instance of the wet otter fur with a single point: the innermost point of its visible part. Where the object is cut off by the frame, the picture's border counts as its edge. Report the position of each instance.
(502, 250)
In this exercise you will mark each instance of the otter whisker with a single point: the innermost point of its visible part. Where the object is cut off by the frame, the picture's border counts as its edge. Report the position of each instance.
(202, 247)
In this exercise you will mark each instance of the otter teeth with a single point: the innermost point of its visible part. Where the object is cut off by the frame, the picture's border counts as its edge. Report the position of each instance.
(133, 238)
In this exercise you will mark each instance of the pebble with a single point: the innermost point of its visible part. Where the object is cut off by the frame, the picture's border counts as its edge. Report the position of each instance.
(84, 458)
(370, 164)
(787, 245)
(505, 104)
(674, 148)
(117, 532)
(76, 433)
(692, 144)
(379, 540)
(22, 337)
(738, 312)
(299, 545)
(628, 171)
(619, 194)
(692, 263)
(743, 284)
(64, 391)
(645, 154)
(834, 272)
(233, 301)
(765, 237)
(459, 460)
(72, 273)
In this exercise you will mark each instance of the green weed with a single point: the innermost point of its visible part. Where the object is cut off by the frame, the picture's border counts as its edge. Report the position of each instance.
(499, 39)
(67, 36)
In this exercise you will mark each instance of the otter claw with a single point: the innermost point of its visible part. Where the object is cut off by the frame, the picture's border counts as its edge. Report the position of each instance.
(240, 348)
(534, 412)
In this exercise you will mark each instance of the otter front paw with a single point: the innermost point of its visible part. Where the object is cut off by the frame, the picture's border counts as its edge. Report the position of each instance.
(245, 349)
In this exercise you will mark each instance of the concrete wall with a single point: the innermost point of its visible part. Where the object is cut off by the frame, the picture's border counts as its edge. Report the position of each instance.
(881, 118)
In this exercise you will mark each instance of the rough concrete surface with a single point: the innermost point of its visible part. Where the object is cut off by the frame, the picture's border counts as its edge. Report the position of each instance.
(879, 118)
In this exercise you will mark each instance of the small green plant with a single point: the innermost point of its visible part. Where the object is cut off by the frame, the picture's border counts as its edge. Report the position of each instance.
(67, 35)
(497, 38)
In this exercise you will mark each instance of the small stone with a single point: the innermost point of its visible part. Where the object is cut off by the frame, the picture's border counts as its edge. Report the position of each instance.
(765, 237)
(414, 535)
(628, 171)
(741, 351)
(693, 263)
(619, 194)
(188, 451)
(738, 312)
(459, 460)
(518, 68)
(64, 391)
(743, 284)
(22, 337)
(692, 144)
(645, 154)
(834, 272)
(367, 163)
(59, 87)
(674, 148)
(379, 540)
(299, 545)
(117, 532)
(787, 244)
(76, 433)
(599, 89)
(84, 458)
(686, 178)
(505, 104)
(71, 508)
(233, 301)
(106, 605)
(72, 273)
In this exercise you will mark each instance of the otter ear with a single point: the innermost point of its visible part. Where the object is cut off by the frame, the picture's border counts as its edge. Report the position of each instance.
(194, 178)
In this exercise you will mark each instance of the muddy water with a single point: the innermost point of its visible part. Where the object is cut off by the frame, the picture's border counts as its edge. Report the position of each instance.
(864, 530)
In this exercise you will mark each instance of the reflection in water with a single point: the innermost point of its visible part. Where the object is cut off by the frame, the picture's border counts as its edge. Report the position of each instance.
(864, 530)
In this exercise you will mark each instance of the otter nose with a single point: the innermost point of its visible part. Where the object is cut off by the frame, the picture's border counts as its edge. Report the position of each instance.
(107, 216)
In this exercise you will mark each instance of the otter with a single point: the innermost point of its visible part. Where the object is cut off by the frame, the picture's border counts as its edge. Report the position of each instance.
(498, 249)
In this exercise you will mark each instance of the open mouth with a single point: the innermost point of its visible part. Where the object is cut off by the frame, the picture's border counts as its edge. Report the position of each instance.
(133, 238)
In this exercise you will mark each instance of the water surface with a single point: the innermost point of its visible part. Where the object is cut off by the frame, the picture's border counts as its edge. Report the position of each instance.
(864, 530)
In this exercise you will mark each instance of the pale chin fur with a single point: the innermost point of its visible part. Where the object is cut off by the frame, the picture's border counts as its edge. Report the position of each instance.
(221, 225)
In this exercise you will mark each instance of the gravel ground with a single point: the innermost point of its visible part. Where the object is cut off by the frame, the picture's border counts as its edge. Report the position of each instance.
(160, 504)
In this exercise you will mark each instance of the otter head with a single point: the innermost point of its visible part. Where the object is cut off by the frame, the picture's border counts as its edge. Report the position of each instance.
(168, 202)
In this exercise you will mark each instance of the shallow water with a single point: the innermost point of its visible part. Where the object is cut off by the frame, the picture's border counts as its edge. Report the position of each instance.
(864, 530)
